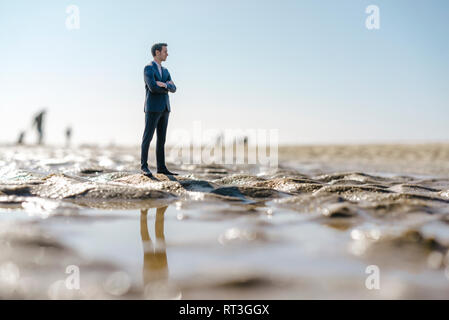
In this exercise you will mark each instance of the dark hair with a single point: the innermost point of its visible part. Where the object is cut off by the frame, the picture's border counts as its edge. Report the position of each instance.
(158, 47)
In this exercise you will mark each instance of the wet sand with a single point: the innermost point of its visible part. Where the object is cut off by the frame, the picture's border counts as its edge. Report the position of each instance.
(307, 229)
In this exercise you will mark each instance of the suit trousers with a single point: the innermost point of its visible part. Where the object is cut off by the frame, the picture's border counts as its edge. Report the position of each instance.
(155, 121)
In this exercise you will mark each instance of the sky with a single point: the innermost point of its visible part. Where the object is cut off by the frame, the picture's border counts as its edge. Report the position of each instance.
(310, 69)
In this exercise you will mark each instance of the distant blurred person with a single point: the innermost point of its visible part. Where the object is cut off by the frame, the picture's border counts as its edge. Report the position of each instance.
(38, 122)
(21, 137)
(68, 135)
(219, 139)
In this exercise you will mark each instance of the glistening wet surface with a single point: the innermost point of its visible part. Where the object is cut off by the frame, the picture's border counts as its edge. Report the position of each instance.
(306, 229)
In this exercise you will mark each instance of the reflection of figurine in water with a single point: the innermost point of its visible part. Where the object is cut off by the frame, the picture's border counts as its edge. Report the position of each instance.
(155, 267)
(154, 255)
(21, 137)
(68, 134)
(38, 120)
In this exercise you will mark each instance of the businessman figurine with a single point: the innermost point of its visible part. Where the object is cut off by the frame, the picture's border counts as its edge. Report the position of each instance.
(158, 83)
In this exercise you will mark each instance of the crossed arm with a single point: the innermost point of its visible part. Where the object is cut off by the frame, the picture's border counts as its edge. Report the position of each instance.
(158, 86)
(169, 85)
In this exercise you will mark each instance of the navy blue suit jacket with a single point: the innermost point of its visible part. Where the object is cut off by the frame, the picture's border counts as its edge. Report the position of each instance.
(156, 98)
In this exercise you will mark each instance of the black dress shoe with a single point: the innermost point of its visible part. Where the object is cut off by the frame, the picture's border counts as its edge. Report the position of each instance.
(146, 172)
(165, 171)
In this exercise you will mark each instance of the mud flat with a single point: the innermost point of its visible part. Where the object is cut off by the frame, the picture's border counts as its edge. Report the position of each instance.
(308, 228)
